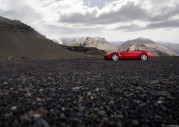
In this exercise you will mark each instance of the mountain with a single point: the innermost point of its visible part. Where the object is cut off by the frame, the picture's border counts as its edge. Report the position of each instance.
(56, 40)
(156, 49)
(172, 46)
(86, 50)
(117, 43)
(18, 39)
(99, 43)
(73, 41)
(96, 42)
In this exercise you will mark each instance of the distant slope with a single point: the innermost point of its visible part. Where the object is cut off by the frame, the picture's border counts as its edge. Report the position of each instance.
(147, 44)
(72, 41)
(117, 44)
(172, 46)
(18, 39)
(96, 42)
(99, 43)
(86, 50)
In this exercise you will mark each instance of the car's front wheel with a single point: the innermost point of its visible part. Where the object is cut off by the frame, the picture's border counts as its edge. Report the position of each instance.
(115, 57)
(144, 57)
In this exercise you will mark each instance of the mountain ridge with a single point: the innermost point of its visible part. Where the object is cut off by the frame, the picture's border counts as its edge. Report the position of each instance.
(18, 39)
(155, 48)
(172, 46)
(96, 42)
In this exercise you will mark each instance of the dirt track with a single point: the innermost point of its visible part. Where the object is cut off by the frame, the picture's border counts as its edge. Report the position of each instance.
(42, 93)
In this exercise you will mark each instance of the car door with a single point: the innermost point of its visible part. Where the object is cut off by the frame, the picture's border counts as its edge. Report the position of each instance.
(129, 54)
(125, 55)
(134, 54)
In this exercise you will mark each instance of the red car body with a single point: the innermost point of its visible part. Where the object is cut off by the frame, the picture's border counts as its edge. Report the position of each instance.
(136, 54)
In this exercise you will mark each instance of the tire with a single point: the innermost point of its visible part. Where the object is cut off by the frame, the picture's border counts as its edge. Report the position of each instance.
(115, 57)
(144, 57)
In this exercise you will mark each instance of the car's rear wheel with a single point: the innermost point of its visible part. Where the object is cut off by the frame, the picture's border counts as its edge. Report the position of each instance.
(115, 57)
(144, 57)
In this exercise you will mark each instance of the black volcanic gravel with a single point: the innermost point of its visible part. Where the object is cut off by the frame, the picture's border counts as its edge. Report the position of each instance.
(89, 93)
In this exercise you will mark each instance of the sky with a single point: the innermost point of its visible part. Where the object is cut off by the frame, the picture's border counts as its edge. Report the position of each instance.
(115, 20)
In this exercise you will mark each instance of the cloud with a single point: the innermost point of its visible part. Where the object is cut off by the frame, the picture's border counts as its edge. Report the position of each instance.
(166, 13)
(63, 17)
(129, 28)
(87, 17)
(61, 31)
(93, 16)
(127, 12)
(164, 24)
(153, 25)
(87, 13)
(18, 10)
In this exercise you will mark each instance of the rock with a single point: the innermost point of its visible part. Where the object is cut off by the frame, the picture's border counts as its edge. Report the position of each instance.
(142, 104)
(5, 83)
(135, 122)
(62, 115)
(111, 84)
(13, 108)
(101, 112)
(160, 93)
(36, 115)
(76, 88)
(89, 93)
(40, 99)
(97, 90)
(49, 78)
(111, 102)
(28, 94)
(53, 89)
(63, 108)
(154, 81)
(25, 119)
(10, 58)
(81, 108)
(41, 90)
(128, 102)
(9, 114)
(39, 122)
(4, 94)
(11, 88)
(139, 88)
(80, 98)
(159, 102)
(96, 109)
(92, 98)
(25, 58)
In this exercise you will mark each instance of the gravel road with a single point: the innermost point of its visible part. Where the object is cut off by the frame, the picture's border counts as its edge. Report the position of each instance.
(89, 93)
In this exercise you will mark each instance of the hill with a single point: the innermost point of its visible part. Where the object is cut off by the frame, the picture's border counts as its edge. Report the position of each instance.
(86, 50)
(156, 49)
(95, 42)
(172, 46)
(18, 39)
(72, 41)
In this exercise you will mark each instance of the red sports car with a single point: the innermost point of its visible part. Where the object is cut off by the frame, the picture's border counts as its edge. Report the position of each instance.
(136, 54)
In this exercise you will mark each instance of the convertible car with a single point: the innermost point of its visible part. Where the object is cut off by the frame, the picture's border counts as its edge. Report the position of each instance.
(126, 54)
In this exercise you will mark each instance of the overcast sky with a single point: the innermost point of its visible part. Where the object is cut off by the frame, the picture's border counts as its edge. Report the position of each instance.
(116, 20)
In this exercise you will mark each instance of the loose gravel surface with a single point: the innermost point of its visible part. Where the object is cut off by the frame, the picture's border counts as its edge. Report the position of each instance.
(89, 93)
